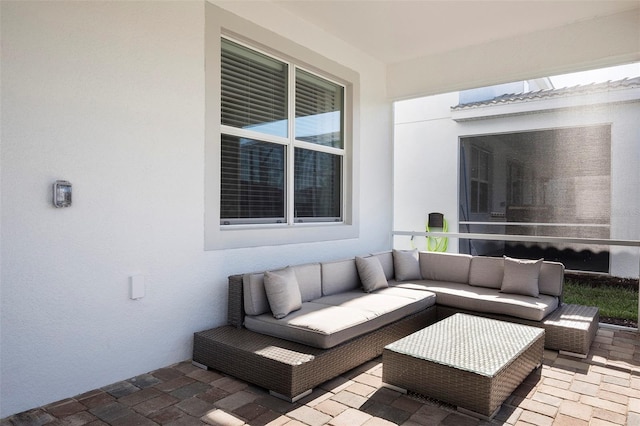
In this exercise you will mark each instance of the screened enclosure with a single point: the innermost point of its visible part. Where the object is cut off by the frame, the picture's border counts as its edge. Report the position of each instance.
(552, 182)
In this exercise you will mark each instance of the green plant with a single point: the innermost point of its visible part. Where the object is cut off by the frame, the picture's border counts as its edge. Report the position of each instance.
(617, 302)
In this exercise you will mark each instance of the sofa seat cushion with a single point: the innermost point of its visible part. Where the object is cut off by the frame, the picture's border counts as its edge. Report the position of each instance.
(383, 301)
(488, 300)
(332, 320)
(416, 293)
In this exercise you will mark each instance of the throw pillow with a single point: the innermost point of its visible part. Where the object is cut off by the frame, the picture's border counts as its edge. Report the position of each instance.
(371, 273)
(282, 291)
(406, 265)
(521, 276)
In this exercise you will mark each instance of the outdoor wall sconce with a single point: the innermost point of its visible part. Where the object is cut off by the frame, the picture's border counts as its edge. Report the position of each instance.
(62, 193)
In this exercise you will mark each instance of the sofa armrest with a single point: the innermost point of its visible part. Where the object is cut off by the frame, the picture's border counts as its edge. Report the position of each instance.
(235, 314)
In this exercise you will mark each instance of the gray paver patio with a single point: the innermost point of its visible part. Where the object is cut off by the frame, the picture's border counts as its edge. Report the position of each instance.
(603, 389)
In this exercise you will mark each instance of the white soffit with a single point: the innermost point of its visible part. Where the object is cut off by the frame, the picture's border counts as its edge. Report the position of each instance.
(398, 30)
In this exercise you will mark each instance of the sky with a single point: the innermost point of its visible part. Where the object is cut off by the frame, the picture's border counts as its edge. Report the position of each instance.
(596, 76)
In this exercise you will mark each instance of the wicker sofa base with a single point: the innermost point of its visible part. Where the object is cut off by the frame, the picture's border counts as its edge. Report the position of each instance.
(570, 329)
(290, 370)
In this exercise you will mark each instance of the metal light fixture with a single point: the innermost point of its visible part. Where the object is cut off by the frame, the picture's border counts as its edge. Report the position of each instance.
(62, 193)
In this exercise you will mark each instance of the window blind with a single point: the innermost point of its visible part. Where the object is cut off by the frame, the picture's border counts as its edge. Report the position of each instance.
(318, 183)
(319, 105)
(254, 90)
(252, 181)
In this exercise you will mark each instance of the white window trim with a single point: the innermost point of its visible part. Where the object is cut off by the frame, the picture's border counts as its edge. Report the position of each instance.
(221, 23)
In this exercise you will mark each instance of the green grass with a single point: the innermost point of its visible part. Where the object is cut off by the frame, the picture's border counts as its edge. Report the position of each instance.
(613, 301)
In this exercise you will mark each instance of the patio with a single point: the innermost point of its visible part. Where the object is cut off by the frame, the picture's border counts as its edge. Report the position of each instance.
(122, 100)
(603, 389)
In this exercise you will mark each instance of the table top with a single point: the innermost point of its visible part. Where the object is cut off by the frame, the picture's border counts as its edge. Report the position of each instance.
(466, 342)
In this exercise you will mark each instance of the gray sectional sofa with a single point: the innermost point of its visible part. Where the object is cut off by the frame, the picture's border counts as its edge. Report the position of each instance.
(293, 328)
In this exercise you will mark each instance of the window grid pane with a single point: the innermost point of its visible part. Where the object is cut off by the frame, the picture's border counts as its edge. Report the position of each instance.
(318, 185)
(254, 173)
(252, 181)
(254, 90)
(319, 105)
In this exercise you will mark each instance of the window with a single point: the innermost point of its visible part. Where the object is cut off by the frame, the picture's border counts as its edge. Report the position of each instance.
(479, 180)
(515, 183)
(282, 141)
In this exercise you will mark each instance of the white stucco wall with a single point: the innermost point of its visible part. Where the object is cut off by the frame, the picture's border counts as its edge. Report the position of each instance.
(110, 96)
(426, 166)
(427, 162)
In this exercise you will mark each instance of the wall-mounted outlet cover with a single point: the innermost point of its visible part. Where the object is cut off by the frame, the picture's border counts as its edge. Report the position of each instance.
(137, 287)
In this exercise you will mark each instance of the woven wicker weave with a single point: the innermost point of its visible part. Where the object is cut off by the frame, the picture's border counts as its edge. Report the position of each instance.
(472, 362)
(290, 369)
(235, 315)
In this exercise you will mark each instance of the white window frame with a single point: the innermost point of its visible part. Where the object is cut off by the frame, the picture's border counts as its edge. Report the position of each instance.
(221, 23)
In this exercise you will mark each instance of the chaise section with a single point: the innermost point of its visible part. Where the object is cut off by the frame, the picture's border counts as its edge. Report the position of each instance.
(488, 300)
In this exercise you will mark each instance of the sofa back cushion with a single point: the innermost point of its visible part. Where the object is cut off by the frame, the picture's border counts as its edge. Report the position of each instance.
(521, 276)
(489, 271)
(551, 278)
(453, 267)
(486, 271)
(406, 265)
(283, 291)
(309, 280)
(371, 273)
(386, 260)
(339, 276)
(255, 296)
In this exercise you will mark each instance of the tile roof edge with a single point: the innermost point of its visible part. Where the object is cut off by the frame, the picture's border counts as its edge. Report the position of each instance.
(626, 83)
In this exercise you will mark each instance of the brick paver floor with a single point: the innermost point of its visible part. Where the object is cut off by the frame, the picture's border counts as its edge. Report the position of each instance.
(603, 389)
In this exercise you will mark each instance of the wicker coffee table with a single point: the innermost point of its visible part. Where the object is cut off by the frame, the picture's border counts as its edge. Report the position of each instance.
(471, 362)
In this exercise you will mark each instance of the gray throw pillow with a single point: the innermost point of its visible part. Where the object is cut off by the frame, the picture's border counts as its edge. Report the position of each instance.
(282, 291)
(371, 273)
(521, 276)
(406, 265)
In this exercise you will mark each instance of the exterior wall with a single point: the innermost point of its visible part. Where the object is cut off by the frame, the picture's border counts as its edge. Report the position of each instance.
(425, 166)
(427, 138)
(110, 96)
